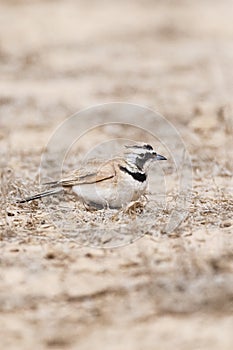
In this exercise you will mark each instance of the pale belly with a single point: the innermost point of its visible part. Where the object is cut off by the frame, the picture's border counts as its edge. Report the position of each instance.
(110, 194)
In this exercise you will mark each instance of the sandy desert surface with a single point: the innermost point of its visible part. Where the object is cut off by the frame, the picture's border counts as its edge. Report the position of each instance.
(135, 286)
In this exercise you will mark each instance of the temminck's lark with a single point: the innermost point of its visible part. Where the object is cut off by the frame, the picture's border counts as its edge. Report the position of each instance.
(113, 184)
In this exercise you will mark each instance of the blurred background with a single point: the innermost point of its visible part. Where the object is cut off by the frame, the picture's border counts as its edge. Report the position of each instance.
(174, 56)
(57, 57)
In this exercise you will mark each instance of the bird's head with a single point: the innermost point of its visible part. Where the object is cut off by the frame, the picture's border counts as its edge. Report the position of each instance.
(141, 155)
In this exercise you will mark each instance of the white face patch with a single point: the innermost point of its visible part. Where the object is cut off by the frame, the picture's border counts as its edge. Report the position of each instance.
(139, 155)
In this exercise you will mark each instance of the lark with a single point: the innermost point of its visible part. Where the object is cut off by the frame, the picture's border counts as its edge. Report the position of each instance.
(113, 184)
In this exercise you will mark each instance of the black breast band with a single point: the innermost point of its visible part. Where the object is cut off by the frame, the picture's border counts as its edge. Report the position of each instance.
(137, 176)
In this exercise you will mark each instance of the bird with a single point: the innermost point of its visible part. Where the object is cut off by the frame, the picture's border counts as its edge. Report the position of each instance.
(112, 184)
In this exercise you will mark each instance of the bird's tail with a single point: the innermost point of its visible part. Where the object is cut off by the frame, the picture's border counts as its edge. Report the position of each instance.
(41, 195)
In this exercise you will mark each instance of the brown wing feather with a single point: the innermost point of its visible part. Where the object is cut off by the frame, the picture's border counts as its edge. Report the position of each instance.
(78, 177)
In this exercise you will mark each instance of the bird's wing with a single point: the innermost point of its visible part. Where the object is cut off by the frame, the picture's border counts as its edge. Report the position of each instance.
(81, 177)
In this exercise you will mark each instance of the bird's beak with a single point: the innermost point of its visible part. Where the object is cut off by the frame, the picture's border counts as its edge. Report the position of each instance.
(159, 157)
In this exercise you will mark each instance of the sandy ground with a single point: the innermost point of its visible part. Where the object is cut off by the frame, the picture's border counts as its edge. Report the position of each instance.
(165, 290)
